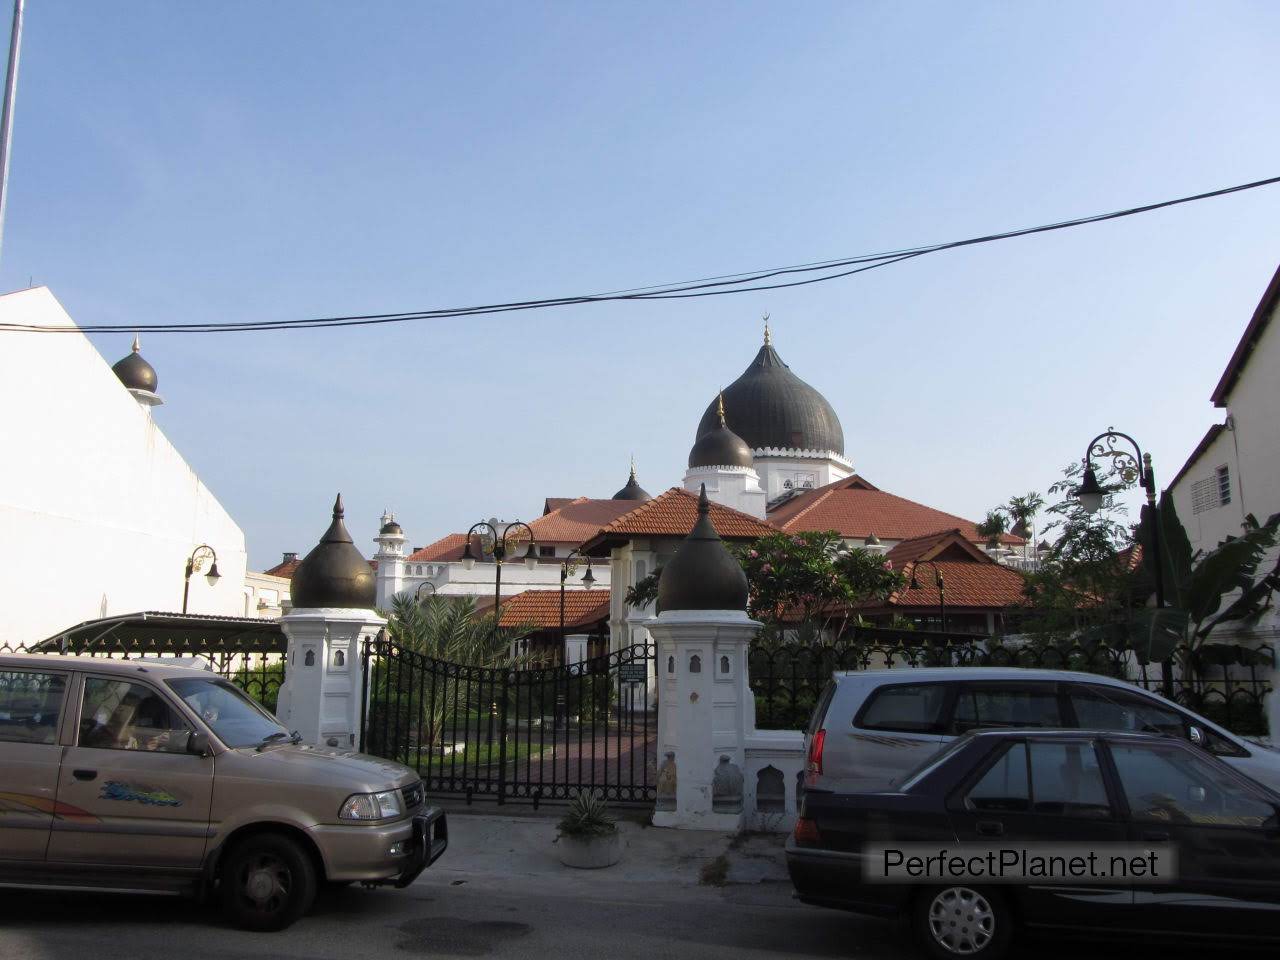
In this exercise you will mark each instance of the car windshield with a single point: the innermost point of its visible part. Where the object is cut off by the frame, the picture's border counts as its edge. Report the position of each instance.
(237, 720)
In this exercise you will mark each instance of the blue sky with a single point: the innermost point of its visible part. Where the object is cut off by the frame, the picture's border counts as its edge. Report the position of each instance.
(249, 161)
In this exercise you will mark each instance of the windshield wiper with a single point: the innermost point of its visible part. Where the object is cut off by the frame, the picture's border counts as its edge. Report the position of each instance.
(271, 738)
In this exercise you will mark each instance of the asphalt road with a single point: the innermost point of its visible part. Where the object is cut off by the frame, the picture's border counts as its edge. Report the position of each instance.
(447, 918)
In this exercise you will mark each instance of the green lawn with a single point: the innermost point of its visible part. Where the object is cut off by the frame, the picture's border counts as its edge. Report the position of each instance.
(479, 754)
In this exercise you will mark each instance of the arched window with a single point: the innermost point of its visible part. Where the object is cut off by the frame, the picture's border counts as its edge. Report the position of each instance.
(695, 664)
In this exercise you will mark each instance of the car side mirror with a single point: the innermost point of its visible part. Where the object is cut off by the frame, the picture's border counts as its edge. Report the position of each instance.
(1195, 735)
(198, 743)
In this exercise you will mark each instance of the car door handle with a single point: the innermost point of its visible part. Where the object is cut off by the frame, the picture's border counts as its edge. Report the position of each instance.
(990, 828)
(1158, 836)
(85, 774)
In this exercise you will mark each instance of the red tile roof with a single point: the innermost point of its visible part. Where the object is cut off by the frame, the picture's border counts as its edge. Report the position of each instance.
(945, 544)
(968, 584)
(672, 514)
(284, 569)
(541, 609)
(855, 509)
(577, 520)
(448, 547)
(970, 577)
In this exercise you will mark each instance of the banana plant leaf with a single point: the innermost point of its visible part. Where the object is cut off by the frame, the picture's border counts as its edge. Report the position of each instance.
(1230, 566)
(1156, 633)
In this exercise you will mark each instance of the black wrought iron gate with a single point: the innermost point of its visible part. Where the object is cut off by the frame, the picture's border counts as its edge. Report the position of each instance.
(536, 734)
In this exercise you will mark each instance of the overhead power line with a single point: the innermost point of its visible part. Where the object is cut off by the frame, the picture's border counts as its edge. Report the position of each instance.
(773, 278)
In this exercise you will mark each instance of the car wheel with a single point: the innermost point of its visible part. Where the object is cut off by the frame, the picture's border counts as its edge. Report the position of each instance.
(267, 882)
(963, 921)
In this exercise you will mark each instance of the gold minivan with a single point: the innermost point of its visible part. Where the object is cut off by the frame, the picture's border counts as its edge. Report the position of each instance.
(141, 775)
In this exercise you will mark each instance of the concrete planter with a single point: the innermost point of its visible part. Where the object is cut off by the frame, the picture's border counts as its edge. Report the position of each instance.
(590, 853)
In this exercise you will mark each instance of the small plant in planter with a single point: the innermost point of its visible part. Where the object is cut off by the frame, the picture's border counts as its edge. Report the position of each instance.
(588, 836)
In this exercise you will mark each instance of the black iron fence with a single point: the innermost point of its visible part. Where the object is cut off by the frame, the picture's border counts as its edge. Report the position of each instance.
(531, 733)
(255, 667)
(787, 678)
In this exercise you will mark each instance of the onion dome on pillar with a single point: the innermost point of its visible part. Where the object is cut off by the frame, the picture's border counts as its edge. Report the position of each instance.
(719, 446)
(769, 406)
(703, 575)
(633, 490)
(390, 527)
(138, 376)
(334, 574)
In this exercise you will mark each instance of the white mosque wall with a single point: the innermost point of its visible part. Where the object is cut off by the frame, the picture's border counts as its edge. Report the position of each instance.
(735, 487)
(98, 510)
(802, 469)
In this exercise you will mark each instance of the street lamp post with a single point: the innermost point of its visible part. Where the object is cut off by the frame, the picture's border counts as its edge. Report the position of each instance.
(588, 579)
(1132, 466)
(195, 563)
(942, 588)
(502, 543)
(417, 594)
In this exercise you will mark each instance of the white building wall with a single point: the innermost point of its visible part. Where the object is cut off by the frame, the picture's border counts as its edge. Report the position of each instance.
(779, 466)
(98, 510)
(1254, 408)
(1211, 526)
(735, 487)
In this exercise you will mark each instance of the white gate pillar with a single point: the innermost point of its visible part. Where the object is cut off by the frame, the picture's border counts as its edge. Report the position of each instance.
(702, 670)
(324, 673)
(702, 633)
(333, 594)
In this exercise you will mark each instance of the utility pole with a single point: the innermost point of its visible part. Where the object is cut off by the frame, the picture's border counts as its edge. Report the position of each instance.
(6, 117)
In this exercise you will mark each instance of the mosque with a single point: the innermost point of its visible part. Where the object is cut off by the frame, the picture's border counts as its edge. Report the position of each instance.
(770, 450)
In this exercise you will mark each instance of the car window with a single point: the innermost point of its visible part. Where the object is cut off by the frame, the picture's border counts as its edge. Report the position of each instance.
(1106, 708)
(120, 715)
(909, 708)
(1005, 786)
(1166, 784)
(237, 720)
(1066, 780)
(1006, 705)
(30, 703)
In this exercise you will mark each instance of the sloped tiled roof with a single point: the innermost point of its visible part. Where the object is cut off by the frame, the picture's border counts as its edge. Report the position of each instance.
(856, 509)
(945, 544)
(284, 569)
(541, 609)
(577, 520)
(673, 513)
(968, 584)
(971, 578)
(448, 547)
(555, 503)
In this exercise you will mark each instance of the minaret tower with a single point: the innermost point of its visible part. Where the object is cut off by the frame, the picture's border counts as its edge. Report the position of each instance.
(390, 557)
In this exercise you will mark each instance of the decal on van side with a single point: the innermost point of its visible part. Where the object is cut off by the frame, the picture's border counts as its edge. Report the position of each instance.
(138, 793)
(30, 803)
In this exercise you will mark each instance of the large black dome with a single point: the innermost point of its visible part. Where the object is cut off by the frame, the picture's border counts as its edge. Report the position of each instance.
(134, 372)
(769, 406)
(333, 574)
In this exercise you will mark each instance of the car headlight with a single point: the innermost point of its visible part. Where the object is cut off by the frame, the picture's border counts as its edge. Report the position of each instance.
(371, 806)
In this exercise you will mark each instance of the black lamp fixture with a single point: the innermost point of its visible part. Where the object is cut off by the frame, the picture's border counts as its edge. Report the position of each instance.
(1131, 467)
(424, 585)
(567, 567)
(942, 588)
(503, 542)
(195, 563)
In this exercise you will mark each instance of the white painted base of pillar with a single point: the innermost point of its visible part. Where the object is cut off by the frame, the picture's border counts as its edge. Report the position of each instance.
(719, 822)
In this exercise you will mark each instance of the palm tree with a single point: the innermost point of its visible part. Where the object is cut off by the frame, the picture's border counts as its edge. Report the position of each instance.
(994, 526)
(1023, 510)
(424, 690)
